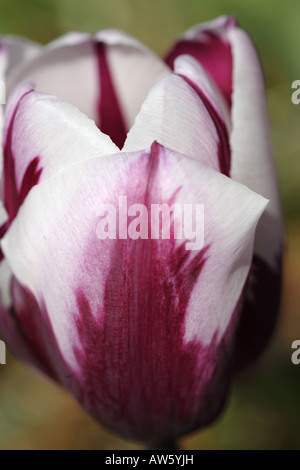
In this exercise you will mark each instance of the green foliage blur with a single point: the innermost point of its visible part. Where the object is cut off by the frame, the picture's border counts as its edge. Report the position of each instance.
(264, 409)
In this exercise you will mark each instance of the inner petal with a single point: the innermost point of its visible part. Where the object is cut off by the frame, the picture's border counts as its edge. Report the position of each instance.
(107, 77)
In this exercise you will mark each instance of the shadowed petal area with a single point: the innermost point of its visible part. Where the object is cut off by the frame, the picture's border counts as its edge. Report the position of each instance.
(260, 311)
(252, 163)
(146, 336)
(26, 331)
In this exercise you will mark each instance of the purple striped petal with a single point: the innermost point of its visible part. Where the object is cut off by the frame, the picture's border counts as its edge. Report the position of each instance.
(175, 115)
(42, 135)
(13, 197)
(253, 165)
(195, 76)
(251, 160)
(146, 336)
(110, 118)
(13, 53)
(113, 74)
(208, 44)
(12, 330)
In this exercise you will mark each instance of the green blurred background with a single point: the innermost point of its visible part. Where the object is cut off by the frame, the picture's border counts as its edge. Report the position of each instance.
(264, 409)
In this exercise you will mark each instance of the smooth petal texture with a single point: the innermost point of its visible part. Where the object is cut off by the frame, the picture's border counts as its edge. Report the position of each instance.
(17, 50)
(113, 74)
(42, 136)
(145, 327)
(196, 77)
(175, 116)
(209, 45)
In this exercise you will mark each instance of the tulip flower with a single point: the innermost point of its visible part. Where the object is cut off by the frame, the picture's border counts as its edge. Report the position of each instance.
(142, 330)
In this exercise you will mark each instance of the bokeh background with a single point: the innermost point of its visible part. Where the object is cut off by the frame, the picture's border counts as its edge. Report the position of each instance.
(264, 409)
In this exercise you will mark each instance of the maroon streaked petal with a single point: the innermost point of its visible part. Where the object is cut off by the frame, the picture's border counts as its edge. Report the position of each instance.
(151, 384)
(209, 46)
(27, 330)
(34, 329)
(14, 52)
(42, 135)
(83, 70)
(3, 229)
(20, 322)
(252, 161)
(133, 70)
(31, 178)
(260, 311)
(175, 115)
(196, 80)
(66, 68)
(252, 164)
(110, 119)
(13, 197)
(142, 313)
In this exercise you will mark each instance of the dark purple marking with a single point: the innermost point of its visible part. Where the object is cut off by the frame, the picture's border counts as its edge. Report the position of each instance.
(13, 197)
(3, 230)
(111, 120)
(260, 311)
(31, 178)
(138, 377)
(35, 330)
(214, 54)
(224, 152)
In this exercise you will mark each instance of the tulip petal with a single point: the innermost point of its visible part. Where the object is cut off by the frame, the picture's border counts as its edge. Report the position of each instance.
(145, 327)
(208, 44)
(17, 51)
(253, 165)
(134, 70)
(237, 71)
(13, 52)
(175, 115)
(194, 74)
(113, 71)
(21, 326)
(43, 135)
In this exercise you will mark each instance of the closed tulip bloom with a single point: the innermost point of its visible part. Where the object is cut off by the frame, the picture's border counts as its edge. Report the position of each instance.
(144, 330)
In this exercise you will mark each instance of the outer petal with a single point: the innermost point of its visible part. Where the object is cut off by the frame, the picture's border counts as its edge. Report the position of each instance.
(107, 76)
(145, 327)
(208, 44)
(17, 51)
(22, 327)
(252, 164)
(15, 305)
(43, 135)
